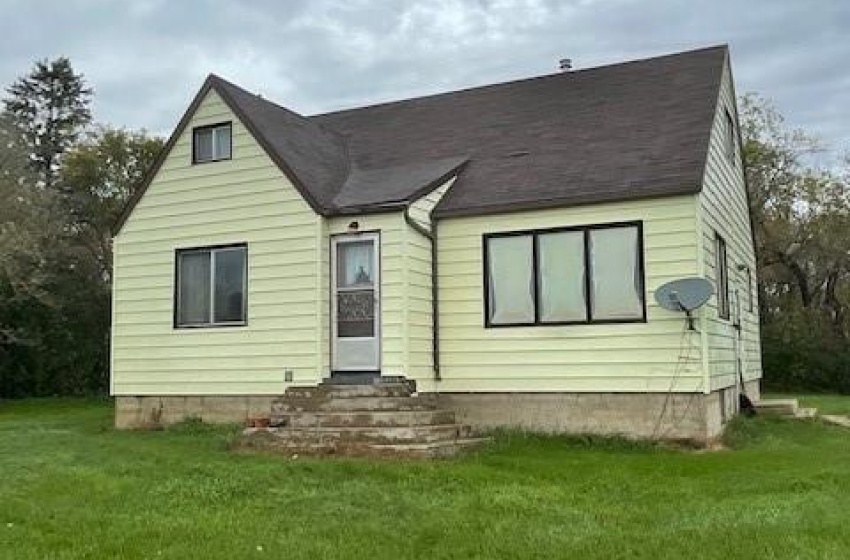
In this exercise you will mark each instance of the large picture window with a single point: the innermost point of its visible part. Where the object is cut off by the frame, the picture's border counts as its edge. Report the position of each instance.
(590, 274)
(210, 286)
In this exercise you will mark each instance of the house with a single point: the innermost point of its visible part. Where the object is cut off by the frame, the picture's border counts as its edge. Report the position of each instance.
(500, 246)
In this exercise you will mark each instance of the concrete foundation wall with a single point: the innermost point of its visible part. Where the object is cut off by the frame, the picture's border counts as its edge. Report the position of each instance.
(154, 411)
(680, 416)
(684, 416)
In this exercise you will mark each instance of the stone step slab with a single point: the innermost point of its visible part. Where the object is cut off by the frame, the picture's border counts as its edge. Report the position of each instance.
(390, 418)
(324, 403)
(782, 407)
(430, 450)
(804, 413)
(362, 434)
(433, 450)
(351, 391)
(837, 419)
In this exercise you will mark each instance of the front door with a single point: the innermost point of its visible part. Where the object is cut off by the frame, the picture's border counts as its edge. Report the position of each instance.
(355, 302)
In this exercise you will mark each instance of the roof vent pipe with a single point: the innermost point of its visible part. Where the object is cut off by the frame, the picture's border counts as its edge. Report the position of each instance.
(565, 64)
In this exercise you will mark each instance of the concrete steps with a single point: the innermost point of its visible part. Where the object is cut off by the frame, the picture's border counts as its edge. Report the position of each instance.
(386, 419)
(381, 417)
(345, 404)
(264, 441)
(789, 408)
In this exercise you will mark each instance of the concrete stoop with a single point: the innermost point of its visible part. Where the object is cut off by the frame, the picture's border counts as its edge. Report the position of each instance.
(789, 408)
(383, 420)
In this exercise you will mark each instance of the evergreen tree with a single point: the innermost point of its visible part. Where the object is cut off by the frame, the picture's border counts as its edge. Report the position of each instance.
(49, 108)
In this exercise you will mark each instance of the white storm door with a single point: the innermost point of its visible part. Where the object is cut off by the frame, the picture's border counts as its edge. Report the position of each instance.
(355, 302)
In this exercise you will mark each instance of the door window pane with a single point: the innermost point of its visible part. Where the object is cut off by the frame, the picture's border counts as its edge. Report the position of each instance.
(356, 313)
(615, 274)
(511, 281)
(194, 288)
(355, 299)
(355, 264)
(230, 273)
(560, 261)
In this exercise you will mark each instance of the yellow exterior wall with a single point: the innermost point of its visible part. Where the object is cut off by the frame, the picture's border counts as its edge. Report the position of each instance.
(420, 210)
(420, 322)
(723, 209)
(637, 357)
(246, 199)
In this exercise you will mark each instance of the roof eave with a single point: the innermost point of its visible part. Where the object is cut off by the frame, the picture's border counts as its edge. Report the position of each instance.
(546, 204)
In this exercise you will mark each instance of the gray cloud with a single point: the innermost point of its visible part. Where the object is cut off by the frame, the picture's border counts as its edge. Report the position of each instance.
(146, 58)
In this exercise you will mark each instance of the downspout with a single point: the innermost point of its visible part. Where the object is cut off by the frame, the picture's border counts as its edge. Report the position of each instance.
(431, 236)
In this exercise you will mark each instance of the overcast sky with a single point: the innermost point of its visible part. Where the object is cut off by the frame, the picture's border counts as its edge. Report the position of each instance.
(147, 58)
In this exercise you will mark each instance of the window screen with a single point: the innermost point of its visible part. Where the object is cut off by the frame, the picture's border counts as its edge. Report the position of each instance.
(229, 285)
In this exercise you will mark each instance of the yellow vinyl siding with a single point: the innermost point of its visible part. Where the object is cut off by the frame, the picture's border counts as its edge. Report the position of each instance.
(636, 357)
(243, 200)
(420, 364)
(420, 210)
(723, 209)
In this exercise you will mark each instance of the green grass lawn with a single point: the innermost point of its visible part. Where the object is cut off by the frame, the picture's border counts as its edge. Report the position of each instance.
(71, 487)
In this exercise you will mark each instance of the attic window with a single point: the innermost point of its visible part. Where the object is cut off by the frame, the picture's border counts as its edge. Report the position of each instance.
(211, 143)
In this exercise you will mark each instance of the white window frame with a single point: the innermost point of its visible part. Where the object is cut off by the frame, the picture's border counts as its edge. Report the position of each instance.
(211, 322)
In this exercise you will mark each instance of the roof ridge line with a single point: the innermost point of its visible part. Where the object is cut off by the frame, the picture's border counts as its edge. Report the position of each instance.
(720, 46)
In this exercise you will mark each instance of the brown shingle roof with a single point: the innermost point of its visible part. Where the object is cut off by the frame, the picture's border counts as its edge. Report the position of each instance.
(625, 131)
(629, 130)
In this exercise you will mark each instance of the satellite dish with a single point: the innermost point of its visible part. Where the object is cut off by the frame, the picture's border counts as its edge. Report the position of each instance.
(685, 294)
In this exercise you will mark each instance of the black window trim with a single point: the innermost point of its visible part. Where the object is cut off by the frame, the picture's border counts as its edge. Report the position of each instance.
(195, 130)
(722, 273)
(176, 298)
(730, 138)
(585, 229)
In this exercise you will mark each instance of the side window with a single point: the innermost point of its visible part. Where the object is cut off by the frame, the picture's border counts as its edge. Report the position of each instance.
(731, 139)
(210, 286)
(721, 272)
